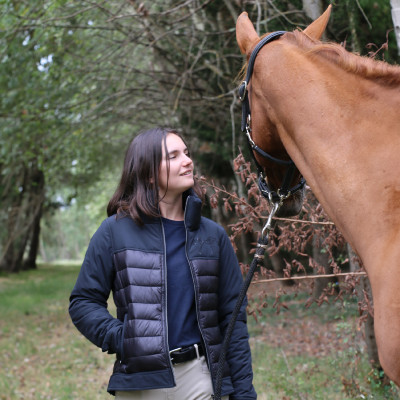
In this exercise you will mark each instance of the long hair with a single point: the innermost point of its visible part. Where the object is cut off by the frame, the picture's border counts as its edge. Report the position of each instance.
(137, 192)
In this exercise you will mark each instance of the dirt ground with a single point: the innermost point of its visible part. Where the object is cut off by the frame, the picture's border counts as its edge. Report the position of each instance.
(298, 335)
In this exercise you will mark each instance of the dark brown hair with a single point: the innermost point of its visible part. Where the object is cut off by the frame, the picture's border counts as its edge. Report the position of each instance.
(137, 191)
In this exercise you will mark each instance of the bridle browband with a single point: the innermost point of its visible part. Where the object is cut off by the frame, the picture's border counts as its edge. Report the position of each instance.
(274, 197)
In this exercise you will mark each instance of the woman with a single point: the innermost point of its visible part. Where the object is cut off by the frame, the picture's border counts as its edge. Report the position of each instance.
(174, 278)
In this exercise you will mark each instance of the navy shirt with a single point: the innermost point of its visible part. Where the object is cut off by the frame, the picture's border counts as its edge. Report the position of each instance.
(183, 328)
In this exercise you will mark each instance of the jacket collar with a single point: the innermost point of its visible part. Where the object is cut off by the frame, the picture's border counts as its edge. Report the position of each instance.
(192, 206)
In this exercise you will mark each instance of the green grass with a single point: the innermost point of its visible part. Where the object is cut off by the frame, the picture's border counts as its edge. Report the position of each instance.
(312, 354)
(315, 353)
(42, 355)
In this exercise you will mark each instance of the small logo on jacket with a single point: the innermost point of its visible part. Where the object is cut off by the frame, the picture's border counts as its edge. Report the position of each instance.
(205, 247)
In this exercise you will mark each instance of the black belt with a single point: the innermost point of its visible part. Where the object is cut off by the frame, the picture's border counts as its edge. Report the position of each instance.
(184, 354)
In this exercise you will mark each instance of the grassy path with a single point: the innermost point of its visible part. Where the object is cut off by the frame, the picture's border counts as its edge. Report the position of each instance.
(299, 354)
(42, 355)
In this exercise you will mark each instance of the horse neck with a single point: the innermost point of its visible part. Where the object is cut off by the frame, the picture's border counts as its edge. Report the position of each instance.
(343, 134)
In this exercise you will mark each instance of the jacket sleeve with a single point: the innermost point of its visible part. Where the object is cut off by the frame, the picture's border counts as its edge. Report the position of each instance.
(238, 354)
(88, 300)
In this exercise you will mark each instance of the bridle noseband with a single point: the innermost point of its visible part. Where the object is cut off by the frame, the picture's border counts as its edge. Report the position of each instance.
(276, 198)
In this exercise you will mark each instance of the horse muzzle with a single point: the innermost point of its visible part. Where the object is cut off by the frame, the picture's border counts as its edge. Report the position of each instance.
(292, 205)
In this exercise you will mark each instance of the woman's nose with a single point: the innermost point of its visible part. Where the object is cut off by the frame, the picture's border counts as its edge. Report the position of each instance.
(187, 160)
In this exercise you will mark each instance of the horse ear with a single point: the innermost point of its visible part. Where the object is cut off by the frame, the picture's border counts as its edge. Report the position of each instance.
(246, 35)
(317, 28)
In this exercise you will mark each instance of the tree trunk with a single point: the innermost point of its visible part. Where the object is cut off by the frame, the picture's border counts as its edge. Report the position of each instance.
(369, 332)
(372, 348)
(10, 254)
(312, 8)
(30, 261)
(351, 12)
(23, 223)
(38, 194)
(396, 21)
(321, 259)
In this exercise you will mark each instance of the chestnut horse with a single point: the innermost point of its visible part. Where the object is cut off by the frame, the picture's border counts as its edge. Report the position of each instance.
(337, 116)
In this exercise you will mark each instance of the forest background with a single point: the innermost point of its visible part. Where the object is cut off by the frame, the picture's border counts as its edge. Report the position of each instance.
(79, 79)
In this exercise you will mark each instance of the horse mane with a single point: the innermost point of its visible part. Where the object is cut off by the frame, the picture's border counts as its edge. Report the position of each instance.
(368, 68)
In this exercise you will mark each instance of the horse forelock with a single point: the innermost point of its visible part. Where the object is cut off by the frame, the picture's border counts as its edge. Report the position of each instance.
(368, 68)
(242, 73)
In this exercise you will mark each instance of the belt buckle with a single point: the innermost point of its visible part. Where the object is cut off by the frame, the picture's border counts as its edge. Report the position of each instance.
(172, 353)
(174, 350)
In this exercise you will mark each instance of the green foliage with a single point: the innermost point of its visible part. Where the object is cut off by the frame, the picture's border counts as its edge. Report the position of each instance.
(49, 121)
(372, 25)
(51, 83)
(379, 30)
(67, 231)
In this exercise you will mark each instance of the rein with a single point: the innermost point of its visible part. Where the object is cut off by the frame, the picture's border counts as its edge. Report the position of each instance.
(275, 198)
(257, 260)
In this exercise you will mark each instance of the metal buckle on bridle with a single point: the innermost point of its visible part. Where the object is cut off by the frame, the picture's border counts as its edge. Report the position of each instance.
(242, 90)
(248, 131)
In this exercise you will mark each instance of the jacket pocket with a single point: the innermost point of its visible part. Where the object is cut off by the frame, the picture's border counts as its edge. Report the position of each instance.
(121, 344)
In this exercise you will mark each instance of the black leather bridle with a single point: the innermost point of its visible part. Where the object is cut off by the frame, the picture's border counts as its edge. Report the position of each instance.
(274, 197)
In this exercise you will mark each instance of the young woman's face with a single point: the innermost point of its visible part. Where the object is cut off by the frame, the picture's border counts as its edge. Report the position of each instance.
(180, 167)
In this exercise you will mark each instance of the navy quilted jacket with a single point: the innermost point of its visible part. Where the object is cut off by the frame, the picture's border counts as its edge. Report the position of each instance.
(129, 260)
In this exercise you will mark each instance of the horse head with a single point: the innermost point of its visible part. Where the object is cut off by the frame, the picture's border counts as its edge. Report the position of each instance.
(265, 127)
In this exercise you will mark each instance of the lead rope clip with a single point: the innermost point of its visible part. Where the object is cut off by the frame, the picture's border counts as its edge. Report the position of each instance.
(268, 226)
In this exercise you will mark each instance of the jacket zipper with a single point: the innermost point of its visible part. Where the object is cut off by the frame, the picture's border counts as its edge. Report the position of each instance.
(166, 300)
(195, 293)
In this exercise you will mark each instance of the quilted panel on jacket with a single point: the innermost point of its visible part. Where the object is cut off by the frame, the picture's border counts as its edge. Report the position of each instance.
(207, 272)
(138, 294)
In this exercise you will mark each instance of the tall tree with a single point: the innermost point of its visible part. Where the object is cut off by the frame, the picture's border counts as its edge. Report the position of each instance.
(46, 143)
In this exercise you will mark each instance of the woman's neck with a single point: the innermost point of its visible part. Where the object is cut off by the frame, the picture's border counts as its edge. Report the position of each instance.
(172, 208)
